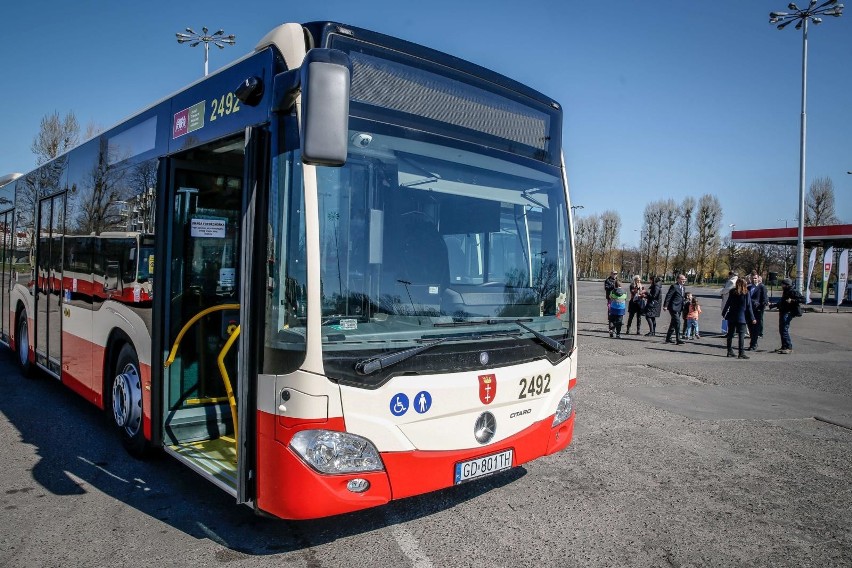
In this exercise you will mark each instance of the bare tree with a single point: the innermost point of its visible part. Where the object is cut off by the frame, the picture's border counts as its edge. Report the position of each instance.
(819, 203)
(585, 231)
(733, 254)
(652, 230)
(610, 229)
(55, 136)
(92, 130)
(756, 257)
(708, 219)
(594, 234)
(103, 197)
(645, 253)
(142, 181)
(685, 229)
(782, 257)
(668, 210)
(579, 243)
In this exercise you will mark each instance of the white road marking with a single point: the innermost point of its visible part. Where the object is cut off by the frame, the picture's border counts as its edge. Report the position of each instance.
(103, 470)
(407, 542)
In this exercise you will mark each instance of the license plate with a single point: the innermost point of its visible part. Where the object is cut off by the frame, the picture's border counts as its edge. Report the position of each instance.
(480, 467)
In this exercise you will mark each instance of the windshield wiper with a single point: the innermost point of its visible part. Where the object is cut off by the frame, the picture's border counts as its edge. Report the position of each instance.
(466, 323)
(375, 364)
(550, 343)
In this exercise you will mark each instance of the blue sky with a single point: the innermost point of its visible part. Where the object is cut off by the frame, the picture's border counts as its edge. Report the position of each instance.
(662, 99)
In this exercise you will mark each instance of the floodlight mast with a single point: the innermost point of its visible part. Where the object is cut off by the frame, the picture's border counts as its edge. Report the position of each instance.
(219, 39)
(802, 17)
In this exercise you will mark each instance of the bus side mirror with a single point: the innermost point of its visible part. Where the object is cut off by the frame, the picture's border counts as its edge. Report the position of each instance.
(324, 80)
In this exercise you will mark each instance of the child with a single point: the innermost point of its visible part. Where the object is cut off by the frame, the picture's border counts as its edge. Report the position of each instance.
(693, 310)
(617, 307)
(687, 300)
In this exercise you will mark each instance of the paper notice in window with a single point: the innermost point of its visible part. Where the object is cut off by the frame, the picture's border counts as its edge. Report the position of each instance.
(208, 228)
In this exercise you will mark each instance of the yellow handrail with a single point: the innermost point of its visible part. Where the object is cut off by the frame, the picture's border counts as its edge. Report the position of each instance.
(232, 401)
(187, 325)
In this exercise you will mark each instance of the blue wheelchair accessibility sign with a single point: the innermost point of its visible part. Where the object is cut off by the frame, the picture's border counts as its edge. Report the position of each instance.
(399, 404)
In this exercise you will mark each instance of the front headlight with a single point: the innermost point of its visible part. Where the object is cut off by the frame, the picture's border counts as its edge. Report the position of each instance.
(336, 452)
(564, 409)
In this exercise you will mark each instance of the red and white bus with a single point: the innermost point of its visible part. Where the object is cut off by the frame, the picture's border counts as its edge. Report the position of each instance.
(335, 273)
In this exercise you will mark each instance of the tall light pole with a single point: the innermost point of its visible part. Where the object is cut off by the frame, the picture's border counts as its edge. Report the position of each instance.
(801, 17)
(575, 207)
(641, 272)
(219, 39)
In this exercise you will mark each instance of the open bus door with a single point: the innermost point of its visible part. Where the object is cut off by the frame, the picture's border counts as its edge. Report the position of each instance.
(212, 289)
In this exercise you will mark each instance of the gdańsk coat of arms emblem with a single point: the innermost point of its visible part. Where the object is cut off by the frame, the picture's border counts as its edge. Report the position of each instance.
(487, 388)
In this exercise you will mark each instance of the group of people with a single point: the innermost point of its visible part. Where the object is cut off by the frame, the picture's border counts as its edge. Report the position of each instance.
(744, 301)
(641, 302)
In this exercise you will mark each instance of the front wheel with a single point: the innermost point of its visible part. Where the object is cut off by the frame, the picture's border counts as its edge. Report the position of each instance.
(127, 402)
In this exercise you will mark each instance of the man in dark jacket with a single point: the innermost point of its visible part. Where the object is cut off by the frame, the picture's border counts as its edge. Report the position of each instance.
(674, 305)
(757, 291)
(789, 306)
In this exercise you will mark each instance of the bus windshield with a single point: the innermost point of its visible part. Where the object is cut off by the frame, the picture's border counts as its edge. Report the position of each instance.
(423, 241)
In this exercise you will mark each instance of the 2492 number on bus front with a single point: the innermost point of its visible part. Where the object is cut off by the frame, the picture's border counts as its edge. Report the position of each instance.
(480, 467)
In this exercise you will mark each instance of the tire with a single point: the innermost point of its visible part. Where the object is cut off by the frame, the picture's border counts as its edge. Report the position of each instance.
(22, 344)
(125, 395)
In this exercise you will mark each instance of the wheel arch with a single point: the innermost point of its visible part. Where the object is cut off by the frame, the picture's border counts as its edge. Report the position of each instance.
(116, 339)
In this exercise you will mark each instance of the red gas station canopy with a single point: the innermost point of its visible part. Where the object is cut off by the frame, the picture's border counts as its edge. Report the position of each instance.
(823, 236)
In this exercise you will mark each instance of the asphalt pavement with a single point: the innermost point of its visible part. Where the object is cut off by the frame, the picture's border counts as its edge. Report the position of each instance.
(681, 457)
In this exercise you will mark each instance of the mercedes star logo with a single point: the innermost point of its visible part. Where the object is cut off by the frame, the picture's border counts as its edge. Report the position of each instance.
(485, 427)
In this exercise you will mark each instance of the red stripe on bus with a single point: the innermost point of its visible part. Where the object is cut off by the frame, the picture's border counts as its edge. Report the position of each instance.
(302, 493)
(82, 372)
(77, 367)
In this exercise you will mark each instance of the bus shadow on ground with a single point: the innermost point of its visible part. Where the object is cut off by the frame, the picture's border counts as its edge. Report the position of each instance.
(79, 453)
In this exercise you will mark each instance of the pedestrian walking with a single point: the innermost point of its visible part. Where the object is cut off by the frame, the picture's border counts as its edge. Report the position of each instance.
(653, 305)
(738, 313)
(724, 292)
(757, 291)
(617, 307)
(693, 311)
(637, 303)
(789, 306)
(674, 304)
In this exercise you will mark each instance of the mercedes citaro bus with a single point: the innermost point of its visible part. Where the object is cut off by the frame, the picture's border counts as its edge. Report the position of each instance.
(335, 273)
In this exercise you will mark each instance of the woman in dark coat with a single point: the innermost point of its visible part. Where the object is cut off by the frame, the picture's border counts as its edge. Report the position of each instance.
(653, 305)
(738, 312)
(637, 303)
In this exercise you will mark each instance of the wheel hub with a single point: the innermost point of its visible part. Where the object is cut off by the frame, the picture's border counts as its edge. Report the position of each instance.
(127, 399)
